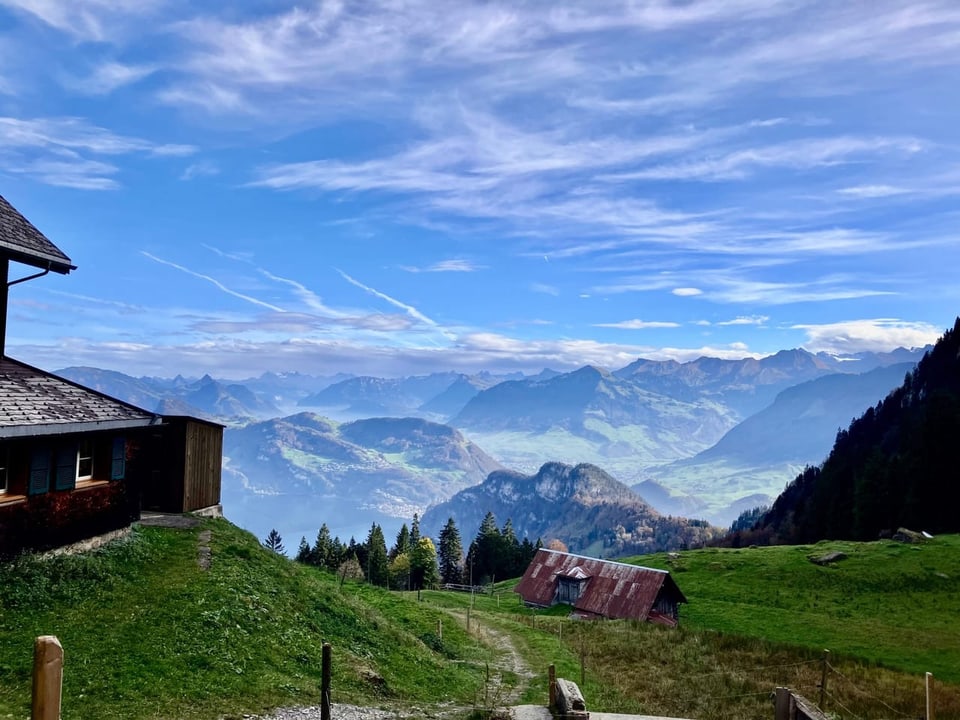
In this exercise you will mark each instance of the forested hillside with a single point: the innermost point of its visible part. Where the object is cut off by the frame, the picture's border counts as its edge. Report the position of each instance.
(894, 466)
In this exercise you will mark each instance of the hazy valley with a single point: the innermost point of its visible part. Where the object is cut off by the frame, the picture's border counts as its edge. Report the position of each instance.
(705, 439)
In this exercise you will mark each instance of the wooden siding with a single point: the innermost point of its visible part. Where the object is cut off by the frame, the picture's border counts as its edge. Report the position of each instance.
(187, 468)
(202, 465)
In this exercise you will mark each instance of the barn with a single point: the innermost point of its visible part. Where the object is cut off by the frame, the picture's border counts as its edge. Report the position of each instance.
(597, 588)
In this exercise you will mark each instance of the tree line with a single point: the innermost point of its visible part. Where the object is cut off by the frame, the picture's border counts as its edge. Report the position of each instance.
(893, 466)
(414, 561)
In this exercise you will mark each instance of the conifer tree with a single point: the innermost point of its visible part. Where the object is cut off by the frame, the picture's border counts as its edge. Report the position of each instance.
(402, 544)
(274, 542)
(450, 553)
(378, 566)
(415, 531)
(303, 551)
(323, 551)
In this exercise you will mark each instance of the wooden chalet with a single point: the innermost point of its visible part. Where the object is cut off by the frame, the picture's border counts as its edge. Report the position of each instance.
(74, 462)
(597, 588)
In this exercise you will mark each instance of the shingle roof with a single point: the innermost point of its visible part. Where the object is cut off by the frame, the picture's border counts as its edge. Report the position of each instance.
(33, 402)
(612, 590)
(22, 242)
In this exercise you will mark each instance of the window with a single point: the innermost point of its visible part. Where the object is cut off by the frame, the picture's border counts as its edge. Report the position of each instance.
(85, 459)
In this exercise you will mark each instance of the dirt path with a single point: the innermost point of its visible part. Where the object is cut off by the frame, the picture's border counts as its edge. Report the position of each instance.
(509, 661)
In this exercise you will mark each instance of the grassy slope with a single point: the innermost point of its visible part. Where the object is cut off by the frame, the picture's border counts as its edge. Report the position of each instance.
(759, 618)
(889, 603)
(147, 634)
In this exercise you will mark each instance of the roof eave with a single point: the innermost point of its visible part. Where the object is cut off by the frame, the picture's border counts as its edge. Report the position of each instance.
(38, 260)
(47, 429)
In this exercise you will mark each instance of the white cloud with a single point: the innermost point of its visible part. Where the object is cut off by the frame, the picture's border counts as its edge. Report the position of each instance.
(213, 281)
(409, 309)
(454, 265)
(872, 191)
(877, 335)
(54, 151)
(687, 291)
(109, 76)
(638, 324)
(746, 320)
(94, 20)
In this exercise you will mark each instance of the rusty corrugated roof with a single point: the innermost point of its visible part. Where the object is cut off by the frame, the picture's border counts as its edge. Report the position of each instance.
(612, 589)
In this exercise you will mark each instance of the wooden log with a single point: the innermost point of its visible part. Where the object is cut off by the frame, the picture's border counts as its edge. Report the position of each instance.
(47, 678)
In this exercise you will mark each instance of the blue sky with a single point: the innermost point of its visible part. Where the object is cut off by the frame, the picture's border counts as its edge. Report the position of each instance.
(389, 188)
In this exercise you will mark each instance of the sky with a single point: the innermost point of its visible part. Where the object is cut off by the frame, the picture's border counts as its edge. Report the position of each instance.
(395, 187)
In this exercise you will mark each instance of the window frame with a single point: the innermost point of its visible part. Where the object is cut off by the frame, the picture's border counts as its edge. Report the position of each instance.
(86, 451)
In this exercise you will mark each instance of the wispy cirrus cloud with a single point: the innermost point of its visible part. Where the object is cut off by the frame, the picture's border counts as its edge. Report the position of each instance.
(86, 20)
(106, 77)
(57, 151)
(458, 265)
(638, 324)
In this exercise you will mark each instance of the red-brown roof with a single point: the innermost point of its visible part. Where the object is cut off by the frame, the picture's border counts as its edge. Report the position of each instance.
(612, 590)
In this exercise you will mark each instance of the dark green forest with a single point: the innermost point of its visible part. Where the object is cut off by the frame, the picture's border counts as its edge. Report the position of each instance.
(895, 466)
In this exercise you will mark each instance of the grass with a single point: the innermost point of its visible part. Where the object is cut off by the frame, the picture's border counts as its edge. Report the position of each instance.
(693, 672)
(888, 603)
(148, 634)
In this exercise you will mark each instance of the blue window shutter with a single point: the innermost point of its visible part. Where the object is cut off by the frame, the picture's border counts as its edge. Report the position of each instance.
(39, 471)
(118, 460)
(66, 476)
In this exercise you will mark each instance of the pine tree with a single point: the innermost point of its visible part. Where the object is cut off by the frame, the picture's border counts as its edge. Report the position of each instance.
(378, 566)
(485, 550)
(450, 553)
(402, 544)
(303, 551)
(323, 554)
(415, 531)
(274, 542)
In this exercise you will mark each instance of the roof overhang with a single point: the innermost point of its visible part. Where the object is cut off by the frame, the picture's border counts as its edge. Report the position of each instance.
(19, 431)
(37, 259)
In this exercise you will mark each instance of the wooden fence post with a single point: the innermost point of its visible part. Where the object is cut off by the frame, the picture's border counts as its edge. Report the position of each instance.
(823, 678)
(929, 687)
(552, 673)
(325, 684)
(782, 704)
(47, 678)
(440, 629)
(583, 661)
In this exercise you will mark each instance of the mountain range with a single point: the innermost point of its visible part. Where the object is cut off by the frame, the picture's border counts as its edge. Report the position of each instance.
(707, 438)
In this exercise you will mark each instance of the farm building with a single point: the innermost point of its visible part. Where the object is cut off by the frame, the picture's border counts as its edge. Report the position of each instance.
(74, 462)
(600, 588)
